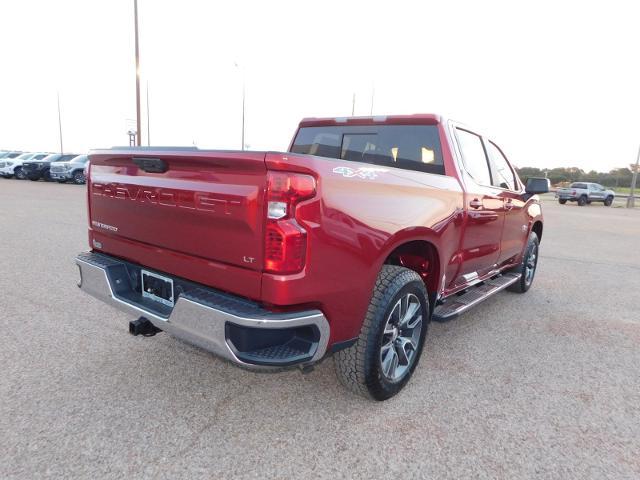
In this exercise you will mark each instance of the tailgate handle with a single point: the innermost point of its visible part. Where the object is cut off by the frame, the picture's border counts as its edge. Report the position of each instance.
(151, 165)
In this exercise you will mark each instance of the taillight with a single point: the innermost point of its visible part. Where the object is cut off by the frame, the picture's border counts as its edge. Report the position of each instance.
(285, 239)
(573, 192)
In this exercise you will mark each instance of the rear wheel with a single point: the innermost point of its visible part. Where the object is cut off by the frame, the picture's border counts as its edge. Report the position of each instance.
(46, 176)
(527, 269)
(19, 173)
(608, 201)
(562, 201)
(388, 349)
(582, 201)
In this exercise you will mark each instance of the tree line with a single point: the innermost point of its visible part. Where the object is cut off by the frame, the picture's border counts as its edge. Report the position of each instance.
(618, 177)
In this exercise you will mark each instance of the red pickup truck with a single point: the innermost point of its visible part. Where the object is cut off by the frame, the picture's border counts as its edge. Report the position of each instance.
(347, 245)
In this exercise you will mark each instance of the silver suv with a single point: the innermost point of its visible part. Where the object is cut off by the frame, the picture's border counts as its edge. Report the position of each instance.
(584, 193)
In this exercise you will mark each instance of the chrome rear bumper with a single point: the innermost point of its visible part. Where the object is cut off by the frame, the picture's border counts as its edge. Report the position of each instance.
(228, 326)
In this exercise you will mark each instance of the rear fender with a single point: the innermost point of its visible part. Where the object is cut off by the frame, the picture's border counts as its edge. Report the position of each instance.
(416, 234)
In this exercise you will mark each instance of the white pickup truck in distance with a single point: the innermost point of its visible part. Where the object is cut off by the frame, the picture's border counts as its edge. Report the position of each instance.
(584, 193)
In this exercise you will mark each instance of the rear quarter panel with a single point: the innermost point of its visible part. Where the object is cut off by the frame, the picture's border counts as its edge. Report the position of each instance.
(360, 214)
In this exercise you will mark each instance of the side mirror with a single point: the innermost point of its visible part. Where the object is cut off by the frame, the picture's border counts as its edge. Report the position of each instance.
(537, 185)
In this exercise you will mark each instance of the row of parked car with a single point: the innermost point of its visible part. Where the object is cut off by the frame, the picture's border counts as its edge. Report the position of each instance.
(62, 167)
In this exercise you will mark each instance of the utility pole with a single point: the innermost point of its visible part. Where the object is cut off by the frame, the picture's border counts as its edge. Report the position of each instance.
(241, 70)
(243, 108)
(353, 105)
(138, 130)
(631, 201)
(59, 123)
(148, 122)
(373, 94)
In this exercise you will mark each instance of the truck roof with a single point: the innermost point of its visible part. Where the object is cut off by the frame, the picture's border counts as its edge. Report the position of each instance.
(415, 119)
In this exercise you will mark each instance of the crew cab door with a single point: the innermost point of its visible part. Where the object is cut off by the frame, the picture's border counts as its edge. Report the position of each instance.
(596, 192)
(516, 224)
(484, 205)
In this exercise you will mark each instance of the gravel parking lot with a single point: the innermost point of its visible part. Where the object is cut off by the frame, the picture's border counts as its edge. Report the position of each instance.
(543, 385)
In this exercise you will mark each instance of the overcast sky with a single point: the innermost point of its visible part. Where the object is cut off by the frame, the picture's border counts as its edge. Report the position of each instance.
(554, 83)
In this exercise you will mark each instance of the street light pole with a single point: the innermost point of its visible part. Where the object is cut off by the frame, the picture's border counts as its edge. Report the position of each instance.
(138, 130)
(59, 123)
(631, 201)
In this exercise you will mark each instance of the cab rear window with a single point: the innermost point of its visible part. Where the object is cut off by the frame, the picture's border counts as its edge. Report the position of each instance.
(412, 147)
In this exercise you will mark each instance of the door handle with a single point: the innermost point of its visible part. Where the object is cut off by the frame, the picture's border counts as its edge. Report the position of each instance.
(508, 204)
(475, 203)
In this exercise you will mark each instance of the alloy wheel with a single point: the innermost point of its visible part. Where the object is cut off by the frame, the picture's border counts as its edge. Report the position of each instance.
(401, 337)
(530, 265)
(78, 178)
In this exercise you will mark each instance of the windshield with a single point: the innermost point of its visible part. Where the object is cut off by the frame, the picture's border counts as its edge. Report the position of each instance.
(25, 156)
(81, 159)
(413, 147)
(66, 157)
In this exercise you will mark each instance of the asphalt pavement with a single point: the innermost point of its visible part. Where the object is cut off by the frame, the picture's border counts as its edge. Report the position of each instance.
(540, 385)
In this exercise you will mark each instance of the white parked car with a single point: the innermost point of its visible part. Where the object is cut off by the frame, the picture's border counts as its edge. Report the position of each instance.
(10, 167)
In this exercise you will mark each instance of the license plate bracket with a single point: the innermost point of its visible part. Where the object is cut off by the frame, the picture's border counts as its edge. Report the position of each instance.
(157, 287)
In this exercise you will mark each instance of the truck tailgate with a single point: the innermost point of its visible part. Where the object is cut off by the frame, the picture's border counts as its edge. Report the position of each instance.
(206, 205)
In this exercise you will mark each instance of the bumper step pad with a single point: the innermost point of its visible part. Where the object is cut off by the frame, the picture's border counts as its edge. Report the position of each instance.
(460, 303)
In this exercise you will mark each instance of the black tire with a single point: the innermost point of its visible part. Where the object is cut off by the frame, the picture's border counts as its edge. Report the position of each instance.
(46, 176)
(582, 201)
(78, 178)
(361, 367)
(526, 280)
(19, 173)
(608, 201)
(562, 201)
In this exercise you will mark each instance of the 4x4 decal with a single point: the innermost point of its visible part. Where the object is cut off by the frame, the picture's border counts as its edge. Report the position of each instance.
(363, 172)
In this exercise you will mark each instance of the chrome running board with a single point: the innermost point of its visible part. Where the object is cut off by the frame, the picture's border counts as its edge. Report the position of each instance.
(459, 303)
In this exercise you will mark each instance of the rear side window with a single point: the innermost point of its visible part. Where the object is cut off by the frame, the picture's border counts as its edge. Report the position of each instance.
(502, 174)
(412, 147)
(578, 185)
(474, 157)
